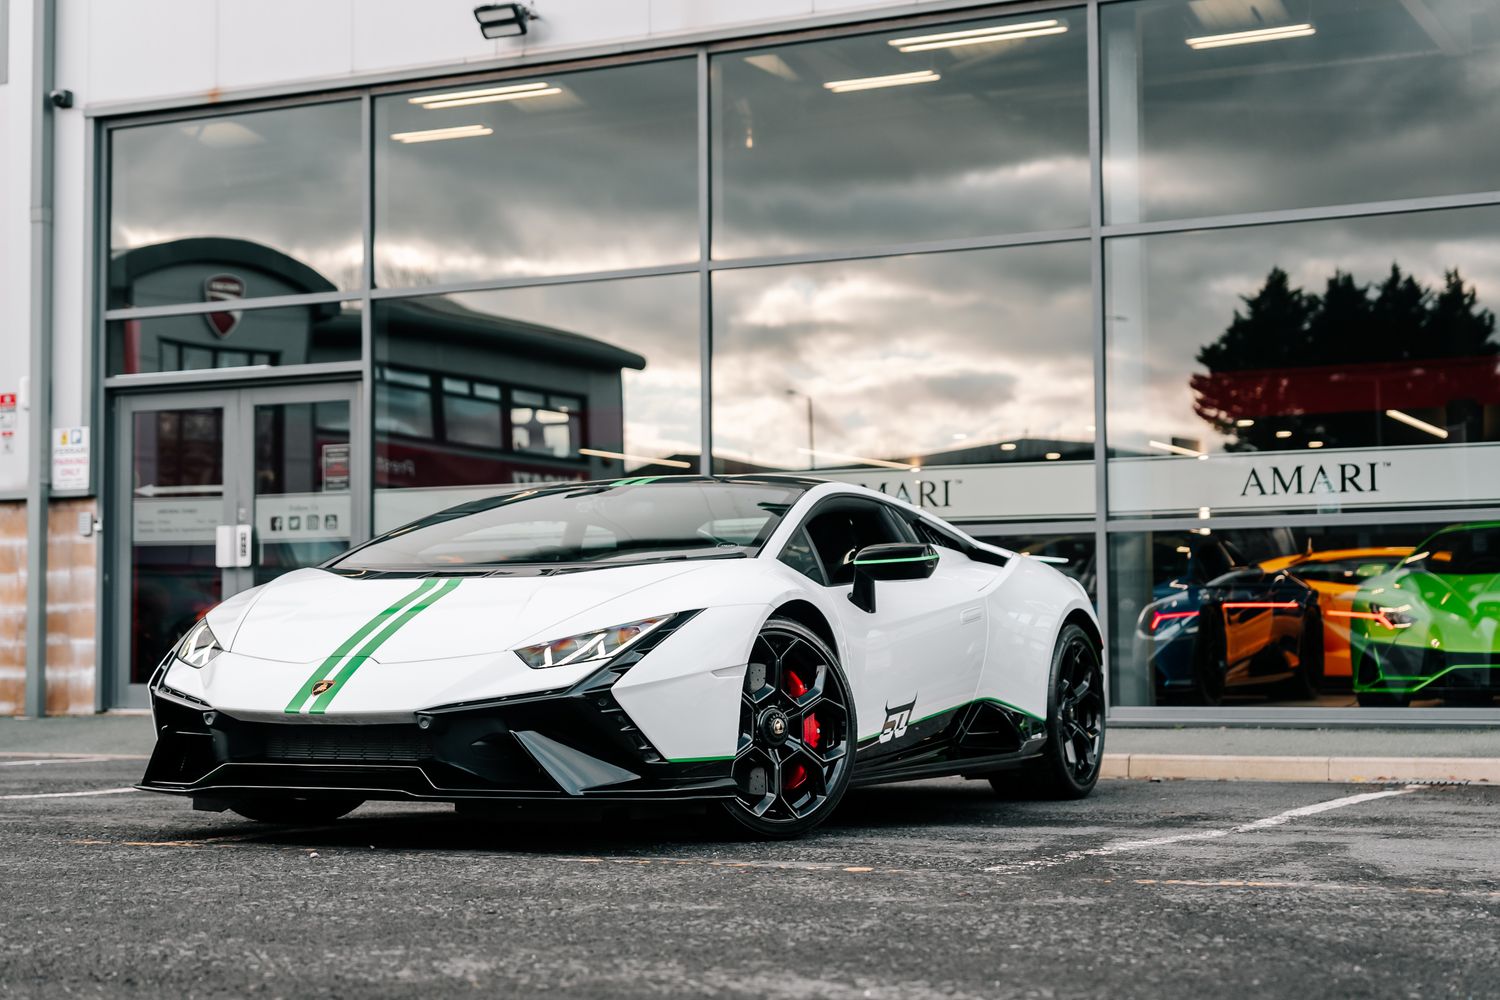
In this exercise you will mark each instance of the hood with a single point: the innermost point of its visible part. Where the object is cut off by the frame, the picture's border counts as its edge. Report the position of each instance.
(309, 614)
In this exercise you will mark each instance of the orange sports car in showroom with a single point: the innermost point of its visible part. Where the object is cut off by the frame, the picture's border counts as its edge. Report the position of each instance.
(1335, 575)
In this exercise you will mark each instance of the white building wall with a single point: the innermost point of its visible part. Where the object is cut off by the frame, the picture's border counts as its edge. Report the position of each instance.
(15, 200)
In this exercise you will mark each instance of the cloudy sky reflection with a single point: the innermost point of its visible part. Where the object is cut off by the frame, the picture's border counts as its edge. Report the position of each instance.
(904, 356)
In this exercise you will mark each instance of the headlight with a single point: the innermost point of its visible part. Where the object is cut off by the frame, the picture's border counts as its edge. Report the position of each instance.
(199, 646)
(588, 647)
(1395, 617)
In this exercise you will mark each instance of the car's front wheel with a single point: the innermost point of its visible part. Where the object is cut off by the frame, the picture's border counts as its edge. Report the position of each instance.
(795, 750)
(1071, 758)
(288, 811)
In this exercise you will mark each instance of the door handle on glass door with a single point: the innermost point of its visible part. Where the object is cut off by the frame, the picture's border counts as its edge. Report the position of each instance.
(224, 546)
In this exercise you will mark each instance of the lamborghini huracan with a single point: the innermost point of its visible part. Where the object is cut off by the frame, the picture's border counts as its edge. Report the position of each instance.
(1430, 626)
(757, 643)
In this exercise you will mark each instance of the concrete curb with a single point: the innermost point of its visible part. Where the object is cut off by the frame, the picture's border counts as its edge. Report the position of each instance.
(1216, 767)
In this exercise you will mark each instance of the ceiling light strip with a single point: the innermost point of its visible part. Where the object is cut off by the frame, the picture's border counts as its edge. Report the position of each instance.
(1251, 37)
(439, 134)
(877, 82)
(457, 95)
(492, 99)
(985, 39)
(994, 29)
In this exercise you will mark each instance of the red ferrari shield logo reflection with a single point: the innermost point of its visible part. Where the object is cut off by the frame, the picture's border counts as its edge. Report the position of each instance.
(223, 288)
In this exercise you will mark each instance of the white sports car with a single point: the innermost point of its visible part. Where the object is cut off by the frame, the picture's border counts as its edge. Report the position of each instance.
(759, 642)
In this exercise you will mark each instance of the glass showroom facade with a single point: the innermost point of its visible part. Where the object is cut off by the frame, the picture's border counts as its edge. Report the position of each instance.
(1192, 298)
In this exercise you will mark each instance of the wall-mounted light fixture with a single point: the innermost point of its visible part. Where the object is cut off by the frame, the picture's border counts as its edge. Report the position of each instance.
(503, 20)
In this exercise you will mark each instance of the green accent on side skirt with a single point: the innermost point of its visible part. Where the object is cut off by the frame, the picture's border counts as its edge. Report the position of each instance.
(696, 760)
(295, 705)
(357, 660)
(877, 562)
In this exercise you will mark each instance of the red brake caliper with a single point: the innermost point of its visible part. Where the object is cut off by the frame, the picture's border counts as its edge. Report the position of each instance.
(811, 731)
(797, 776)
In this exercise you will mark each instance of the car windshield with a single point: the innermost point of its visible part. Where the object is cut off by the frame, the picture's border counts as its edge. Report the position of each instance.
(1464, 552)
(596, 524)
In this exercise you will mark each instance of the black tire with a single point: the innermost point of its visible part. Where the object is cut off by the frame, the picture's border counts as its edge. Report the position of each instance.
(1307, 675)
(791, 778)
(1074, 752)
(1209, 650)
(290, 811)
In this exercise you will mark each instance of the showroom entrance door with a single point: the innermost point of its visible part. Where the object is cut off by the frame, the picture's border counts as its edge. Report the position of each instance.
(224, 490)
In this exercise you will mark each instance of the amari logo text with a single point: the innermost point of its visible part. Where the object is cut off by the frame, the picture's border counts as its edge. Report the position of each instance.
(1307, 480)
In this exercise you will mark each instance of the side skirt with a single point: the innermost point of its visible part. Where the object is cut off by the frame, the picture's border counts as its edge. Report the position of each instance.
(968, 767)
(972, 739)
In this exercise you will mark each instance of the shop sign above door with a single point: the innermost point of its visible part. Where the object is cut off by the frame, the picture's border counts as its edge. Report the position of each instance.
(1311, 479)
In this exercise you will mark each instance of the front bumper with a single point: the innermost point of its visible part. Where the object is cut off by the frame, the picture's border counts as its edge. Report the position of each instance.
(567, 745)
(1406, 669)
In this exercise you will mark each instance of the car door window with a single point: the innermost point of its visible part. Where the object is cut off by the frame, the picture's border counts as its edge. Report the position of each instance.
(839, 533)
(799, 555)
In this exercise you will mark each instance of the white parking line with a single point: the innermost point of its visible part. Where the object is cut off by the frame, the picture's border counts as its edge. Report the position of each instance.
(53, 760)
(73, 756)
(1141, 845)
(69, 795)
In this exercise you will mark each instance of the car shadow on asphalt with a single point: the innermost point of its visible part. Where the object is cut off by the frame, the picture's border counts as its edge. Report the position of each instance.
(574, 830)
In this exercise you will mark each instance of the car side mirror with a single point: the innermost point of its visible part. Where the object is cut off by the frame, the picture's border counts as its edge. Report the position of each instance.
(889, 561)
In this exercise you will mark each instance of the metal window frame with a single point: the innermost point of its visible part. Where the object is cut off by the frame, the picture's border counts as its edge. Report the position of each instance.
(703, 47)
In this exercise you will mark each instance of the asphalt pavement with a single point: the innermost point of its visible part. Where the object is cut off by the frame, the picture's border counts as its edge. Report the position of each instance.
(930, 889)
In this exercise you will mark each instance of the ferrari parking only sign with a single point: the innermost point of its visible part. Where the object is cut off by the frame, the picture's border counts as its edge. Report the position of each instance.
(70, 458)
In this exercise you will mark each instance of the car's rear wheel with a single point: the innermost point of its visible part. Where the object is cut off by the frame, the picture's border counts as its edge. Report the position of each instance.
(795, 750)
(1071, 758)
(287, 810)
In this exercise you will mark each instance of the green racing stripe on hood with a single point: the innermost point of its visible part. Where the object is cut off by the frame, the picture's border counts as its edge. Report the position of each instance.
(357, 660)
(295, 705)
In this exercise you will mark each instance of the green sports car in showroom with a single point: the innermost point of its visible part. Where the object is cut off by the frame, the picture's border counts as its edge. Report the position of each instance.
(1430, 627)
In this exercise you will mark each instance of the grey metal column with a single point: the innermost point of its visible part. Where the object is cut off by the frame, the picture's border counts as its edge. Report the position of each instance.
(705, 279)
(39, 482)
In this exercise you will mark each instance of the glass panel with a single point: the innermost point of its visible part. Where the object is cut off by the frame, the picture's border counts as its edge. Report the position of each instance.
(961, 381)
(1317, 365)
(302, 485)
(265, 203)
(585, 381)
(1379, 616)
(561, 173)
(1216, 108)
(176, 502)
(295, 335)
(604, 523)
(1073, 553)
(901, 136)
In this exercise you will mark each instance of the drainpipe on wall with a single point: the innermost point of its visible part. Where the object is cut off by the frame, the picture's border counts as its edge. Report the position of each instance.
(39, 482)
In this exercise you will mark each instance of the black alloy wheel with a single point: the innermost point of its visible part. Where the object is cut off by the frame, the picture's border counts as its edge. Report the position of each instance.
(795, 750)
(1068, 767)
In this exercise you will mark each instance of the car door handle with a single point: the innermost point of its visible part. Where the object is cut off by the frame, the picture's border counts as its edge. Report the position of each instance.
(970, 615)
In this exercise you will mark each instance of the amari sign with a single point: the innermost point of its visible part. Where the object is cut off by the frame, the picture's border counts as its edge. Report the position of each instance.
(1363, 477)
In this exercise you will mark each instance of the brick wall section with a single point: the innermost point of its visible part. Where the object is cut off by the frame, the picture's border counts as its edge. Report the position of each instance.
(12, 606)
(72, 567)
(71, 599)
